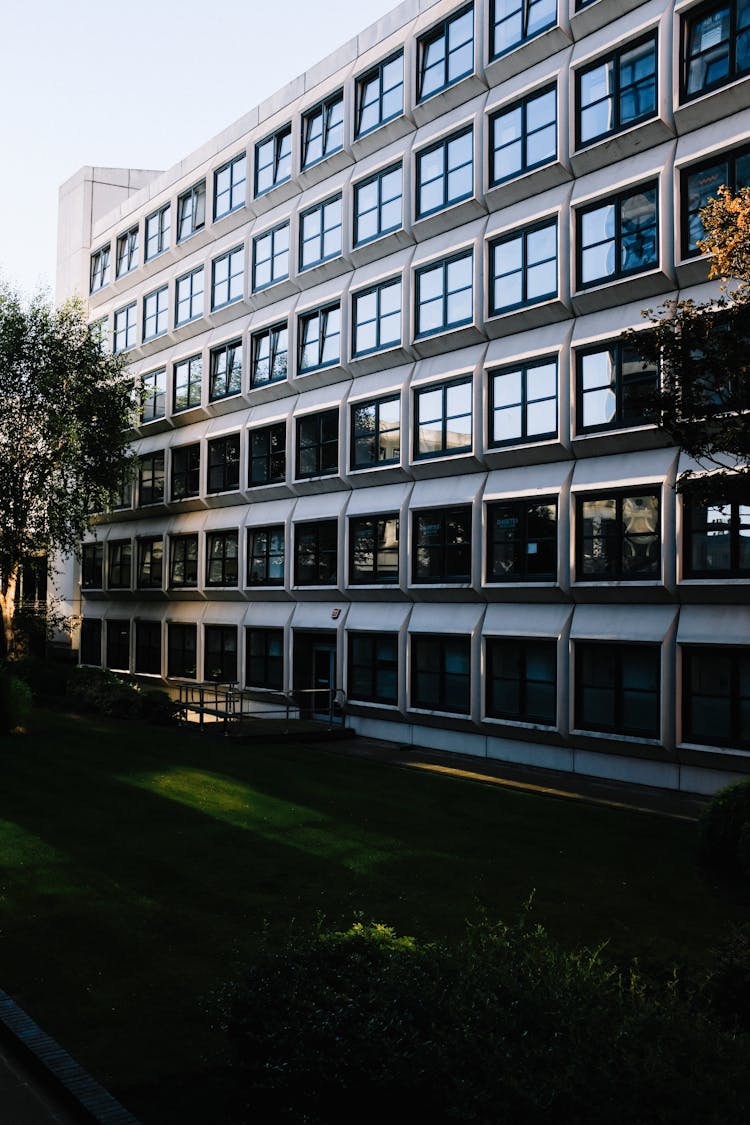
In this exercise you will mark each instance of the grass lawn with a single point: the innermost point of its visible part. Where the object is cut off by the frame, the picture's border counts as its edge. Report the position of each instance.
(138, 865)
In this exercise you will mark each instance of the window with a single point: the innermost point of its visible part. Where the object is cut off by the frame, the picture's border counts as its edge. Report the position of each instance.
(443, 419)
(148, 647)
(514, 21)
(619, 537)
(99, 269)
(268, 455)
(125, 327)
(377, 318)
(270, 355)
(118, 644)
(617, 238)
(183, 561)
(617, 688)
(320, 338)
(442, 545)
(92, 566)
(523, 402)
(150, 561)
(716, 696)
(613, 385)
(186, 466)
(191, 211)
(91, 641)
(228, 278)
(226, 371)
(181, 651)
(157, 232)
(373, 667)
(119, 557)
(376, 432)
(265, 659)
(99, 333)
(315, 553)
(273, 160)
(373, 547)
(318, 444)
(524, 136)
(522, 541)
(189, 296)
(224, 464)
(320, 233)
(271, 257)
(220, 653)
(716, 539)
(380, 94)
(229, 186)
(445, 294)
(446, 53)
(717, 45)
(123, 497)
(522, 680)
(188, 374)
(377, 204)
(221, 558)
(445, 173)
(616, 92)
(440, 673)
(701, 184)
(265, 556)
(524, 267)
(155, 395)
(151, 478)
(127, 252)
(323, 130)
(155, 313)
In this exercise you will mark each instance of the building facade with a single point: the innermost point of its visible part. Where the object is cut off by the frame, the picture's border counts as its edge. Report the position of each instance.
(392, 440)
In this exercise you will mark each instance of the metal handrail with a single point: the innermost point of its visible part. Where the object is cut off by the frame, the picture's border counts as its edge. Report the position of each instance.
(206, 697)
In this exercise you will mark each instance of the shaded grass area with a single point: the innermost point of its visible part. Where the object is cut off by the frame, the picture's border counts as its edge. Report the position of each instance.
(138, 867)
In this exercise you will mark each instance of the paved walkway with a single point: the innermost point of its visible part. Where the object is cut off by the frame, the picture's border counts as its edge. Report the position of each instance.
(551, 783)
(22, 1100)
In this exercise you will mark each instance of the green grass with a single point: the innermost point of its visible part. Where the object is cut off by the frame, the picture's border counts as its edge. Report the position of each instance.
(138, 867)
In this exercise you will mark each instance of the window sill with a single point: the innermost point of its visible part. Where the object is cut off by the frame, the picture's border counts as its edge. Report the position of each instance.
(705, 109)
(525, 185)
(618, 146)
(448, 97)
(621, 291)
(526, 54)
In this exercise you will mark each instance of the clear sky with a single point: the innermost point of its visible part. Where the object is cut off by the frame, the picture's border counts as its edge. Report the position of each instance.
(137, 84)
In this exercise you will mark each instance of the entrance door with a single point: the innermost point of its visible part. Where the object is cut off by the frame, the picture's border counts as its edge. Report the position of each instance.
(323, 678)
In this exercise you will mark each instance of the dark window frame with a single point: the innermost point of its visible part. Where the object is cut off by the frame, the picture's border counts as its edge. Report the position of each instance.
(373, 664)
(521, 104)
(99, 268)
(126, 337)
(151, 470)
(377, 290)
(183, 554)
(92, 566)
(688, 20)
(523, 648)
(148, 648)
(226, 653)
(222, 549)
(617, 200)
(325, 555)
(191, 471)
(272, 676)
(615, 57)
(230, 257)
(154, 404)
(278, 137)
(266, 458)
(190, 215)
(523, 369)
(360, 85)
(230, 372)
(192, 364)
(523, 234)
(376, 433)
(193, 294)
(119, 564)
(374, 577)
(223, 456)
(233, 186)
(436, 644)
(159, 315)
(524, 7)
(320, 209)
(179, 663)
(323, 110)
(118, 646)
(378, 178)
(730, 157)
(126, 252)
(163, 228)
(274, 334)
(447, 575)
(619, 537)
(618, 724)
(272, 259)
(261, 536)
(523, 506)
(447, 199)
(322, 315)
(620, 353)
(443, 263)
(735, 527)
(734, 697)
(445, 450)
(316, 424)
(440, 31)
(150, 567)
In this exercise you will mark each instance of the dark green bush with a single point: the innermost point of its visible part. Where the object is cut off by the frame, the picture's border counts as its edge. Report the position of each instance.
(15, 701)
(48, 679)
(101, 691)
(729, 982)
(721, 826)
(505, 1027)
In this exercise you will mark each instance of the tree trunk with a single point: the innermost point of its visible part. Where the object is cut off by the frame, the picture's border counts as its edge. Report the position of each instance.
(7, 611)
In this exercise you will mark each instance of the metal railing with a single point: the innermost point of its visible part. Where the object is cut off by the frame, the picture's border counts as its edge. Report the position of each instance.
(225, 703)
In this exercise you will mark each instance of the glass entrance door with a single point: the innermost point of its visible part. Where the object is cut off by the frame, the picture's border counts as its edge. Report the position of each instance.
(323, 678)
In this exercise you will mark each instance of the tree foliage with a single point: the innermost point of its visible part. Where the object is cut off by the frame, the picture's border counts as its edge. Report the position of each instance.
(702, 349)
(65, 407)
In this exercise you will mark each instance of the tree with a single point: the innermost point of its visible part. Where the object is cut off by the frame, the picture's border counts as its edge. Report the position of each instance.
(65, 408)
(703, 351)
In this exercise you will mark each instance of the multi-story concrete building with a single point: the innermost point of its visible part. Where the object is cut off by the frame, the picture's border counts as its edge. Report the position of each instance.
(392, 441)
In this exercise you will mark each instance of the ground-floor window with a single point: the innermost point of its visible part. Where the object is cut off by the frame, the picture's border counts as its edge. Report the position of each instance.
(118, 644)
(617, 688)
(521, 680)
(148, 647)
(373, 667)
(181, 648)
(91, 641)
(265, 658)
(220, 655)
(440, 673)
(716, 696)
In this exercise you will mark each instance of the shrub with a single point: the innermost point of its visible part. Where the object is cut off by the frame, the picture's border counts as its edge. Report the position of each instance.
(97, 689)
(721, 826)
(729, 982)
(157, 707)
(15, 701)
(503, 1027)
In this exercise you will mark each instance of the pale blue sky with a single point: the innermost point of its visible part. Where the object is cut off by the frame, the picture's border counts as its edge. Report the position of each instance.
(136, 83)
